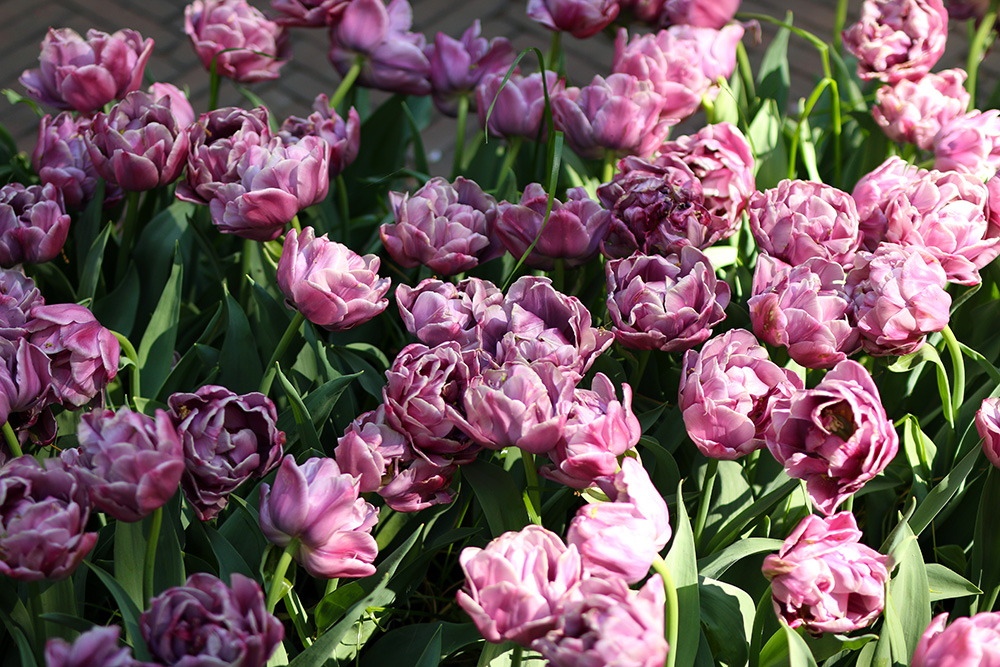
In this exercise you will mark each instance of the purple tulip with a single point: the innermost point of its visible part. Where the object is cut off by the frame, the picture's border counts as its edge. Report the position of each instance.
(726, 392)
(84, 354)
(538, 323)
(383, 461)
(798, 220)
(318, 506)
(805, 308)
(227, 439)
(98, 647)
(423, 396)
(61, 159)
(513, 587)
(603, 622)
(618, 115)
(445, 226)
(43, 518)
(517, 108)
(518, 405)
(580, 18)
(33, 224)
(701, 13)
(972, 641)
(26, 385)
(139, 145)
(988, 427)
(274, 182)
(657, 207)
(85, 74)
(344, 137)
(308, 13)
(721, 159)
(243, 43)
(899, 297)
(665, 303)
(218, 140)
(969, 144)
(915, 111)
(682, 63)
(458, 65)
(180, 106)
(392, 57)
(599, 429)
(130, 462)
(205, 622)
(835, 436)
(824, 579)
(897, 39)
(18, 294)
(966, 9)
(644, 11)
(329, 283)
(437, 312)
(621, 538)
(573, 231)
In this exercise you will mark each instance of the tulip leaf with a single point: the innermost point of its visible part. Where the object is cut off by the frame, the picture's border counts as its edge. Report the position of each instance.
(372, 380)
(799, 654)
(768, 142)
(130, 550)
(910, 592)
(942, 494)
(239, 359)
(90, 271)
(946, 584)
(920, 451)
(731, 530)
(715, 565)
(684, 568)
(380, 595)
(724, 609)
(498, 496)
(168, 229)
(915, 360)
(303, 420)
(156, 349)
(130, 612)
(317, 404)
(23, 645)
(393, 647)
(773, 77)
(986, 543)
(116, 310)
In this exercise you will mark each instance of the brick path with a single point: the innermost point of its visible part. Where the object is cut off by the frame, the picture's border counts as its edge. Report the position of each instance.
(23, 25)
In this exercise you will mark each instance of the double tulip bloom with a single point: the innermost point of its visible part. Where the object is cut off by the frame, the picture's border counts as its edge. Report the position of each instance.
(244, 45)
(915, 111)
(516, 110)
(898, 39)
(437, 312)
(988, 427)
(33, 224)
(824, 579)
(342, 135)
(580, 18)
(61, 159)
(458, 65)
(973, 641)
(969, 144)
(85, 74)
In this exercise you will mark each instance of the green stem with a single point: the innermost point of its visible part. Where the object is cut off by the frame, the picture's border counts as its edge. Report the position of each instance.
(345, 210)
(463, 115)
(274, 590)
(35, 611)
(706, 499)
(214, 81)
(840, 18)
(555, 60)
(11, 438)
(128, 235)
(670, 610)
(156, 521)
(609, 167)
(531, 480)
(131, 354)
(508, 162)
(515, 659)
(806, 111)
(296, 225)
(559, 275)
(976, 49)
(640, 367)
(958, 367)
(347, 82)
(271, 369)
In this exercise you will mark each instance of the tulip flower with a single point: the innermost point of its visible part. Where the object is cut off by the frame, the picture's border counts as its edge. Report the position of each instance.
(227, 439)
(580, 18)
(307, 13)
(824, 579)
(343, 136)
(972, 641)
(897, 39)
(517, 108)
(915, 111)
(97, 646)
(437, 312)
(33, 224)
(835, 436)
(243, 43)
(701, 13)
(317, 507)
(61, 159)
(969, 144)
(180, 106)
(85, 74)
(329, 283)
(458, 65)
(988, 427)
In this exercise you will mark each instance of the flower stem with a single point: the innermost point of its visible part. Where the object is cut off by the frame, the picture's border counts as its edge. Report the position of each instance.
(533, 497)
(976, 49)
(555, 59)
(958, 367)
(640, 367)
(609, 167)
(286, 340)
(345, 210)
(132, 356)
(840, 18)
(274, 590)
(11, 439)
(463, 115)
(515, 659)
(670, 609)
(508, 162)
(128, 235)
(156, 521)
(214, 80)
(346, 83)
(706, 499)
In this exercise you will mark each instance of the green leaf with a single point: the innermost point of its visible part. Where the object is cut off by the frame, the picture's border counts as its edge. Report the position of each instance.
(683, 566)
(87, 226)
(920, 451)
(156, 350)
(335, 604)
(498, 495)
(773, 78)
(371, 379)
(168, 229)
(130, 552)
(117, 309)
(985, 563)
(909, 590)
(90, 272)
(130, 613)
(319, 403)
(799, 654)
(393, 647)
(23, 645)
(715, 565)
(731, 530)
(239, 360)
(303, 420)
(380, 595)
(914, 361)
(942, 494)
(946, 584)
(725, 609)
(768, 142)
